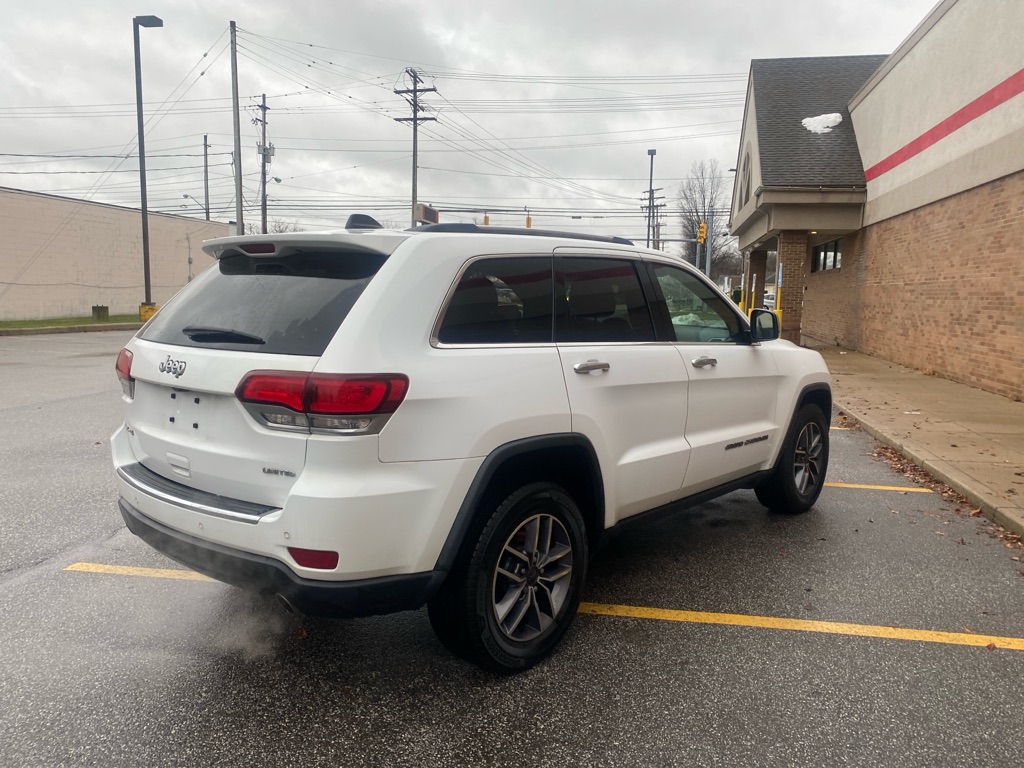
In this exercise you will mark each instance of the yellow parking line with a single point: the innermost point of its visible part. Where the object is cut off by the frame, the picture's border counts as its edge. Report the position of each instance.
(801, 625)
(840, 429)
(128, 570)
(664, 614)
(902, 488)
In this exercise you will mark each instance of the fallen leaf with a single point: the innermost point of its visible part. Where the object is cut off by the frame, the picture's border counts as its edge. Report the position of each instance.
(300, 634)
(991, 646)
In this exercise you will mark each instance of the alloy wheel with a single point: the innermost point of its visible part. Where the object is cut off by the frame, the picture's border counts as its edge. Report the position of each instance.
(807, 458)
(532, 577)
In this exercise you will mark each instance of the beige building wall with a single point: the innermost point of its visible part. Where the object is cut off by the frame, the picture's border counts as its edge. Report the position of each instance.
(945, 113)
(748, 166)
(60, 256)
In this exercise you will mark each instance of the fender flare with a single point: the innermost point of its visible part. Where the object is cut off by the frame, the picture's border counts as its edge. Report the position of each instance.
(495, 460)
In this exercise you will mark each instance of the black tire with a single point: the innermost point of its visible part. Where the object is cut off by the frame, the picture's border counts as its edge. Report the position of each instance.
(799, 473)
(515, 595)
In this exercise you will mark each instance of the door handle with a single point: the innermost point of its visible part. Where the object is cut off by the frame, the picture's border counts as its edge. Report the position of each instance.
(591, 365)
(703, 362)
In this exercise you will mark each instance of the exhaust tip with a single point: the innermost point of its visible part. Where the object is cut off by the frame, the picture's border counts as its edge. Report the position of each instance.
(285, 604)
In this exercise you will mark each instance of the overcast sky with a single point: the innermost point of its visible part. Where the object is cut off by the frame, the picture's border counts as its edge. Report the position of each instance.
(547, 105)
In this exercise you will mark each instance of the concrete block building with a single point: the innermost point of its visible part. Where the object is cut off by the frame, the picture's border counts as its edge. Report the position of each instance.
(59, 256)
(900, 228)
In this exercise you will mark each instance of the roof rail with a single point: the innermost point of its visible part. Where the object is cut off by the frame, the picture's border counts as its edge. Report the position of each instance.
(474, 229)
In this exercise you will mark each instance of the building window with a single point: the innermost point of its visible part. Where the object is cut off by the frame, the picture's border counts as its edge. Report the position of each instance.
(745, 179)
(826, 256)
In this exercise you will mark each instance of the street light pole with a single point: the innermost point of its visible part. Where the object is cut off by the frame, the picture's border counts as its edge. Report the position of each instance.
(204, 207)
(143, 21)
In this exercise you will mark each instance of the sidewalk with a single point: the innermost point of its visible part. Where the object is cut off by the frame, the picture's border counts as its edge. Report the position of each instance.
(971, 440)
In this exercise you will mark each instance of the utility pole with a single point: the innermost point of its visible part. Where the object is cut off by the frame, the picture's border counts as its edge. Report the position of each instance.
(239, 224)
(650, 208)
(415, 120)
(709, 241)
(206, 177)
(266, 152)
(650, 197)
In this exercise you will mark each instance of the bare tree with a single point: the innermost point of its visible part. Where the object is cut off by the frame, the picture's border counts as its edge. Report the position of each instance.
(702, 198)
(274, 227)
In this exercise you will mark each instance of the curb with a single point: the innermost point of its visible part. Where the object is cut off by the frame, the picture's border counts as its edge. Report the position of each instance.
(1010, 519)
(70, 329)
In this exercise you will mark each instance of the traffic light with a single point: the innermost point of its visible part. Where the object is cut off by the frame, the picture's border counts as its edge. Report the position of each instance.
(702, 232)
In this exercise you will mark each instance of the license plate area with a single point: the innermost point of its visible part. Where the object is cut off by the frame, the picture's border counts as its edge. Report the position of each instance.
(185, 410)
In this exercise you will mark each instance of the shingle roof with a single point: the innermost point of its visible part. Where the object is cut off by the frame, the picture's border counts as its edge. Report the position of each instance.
(788, 90)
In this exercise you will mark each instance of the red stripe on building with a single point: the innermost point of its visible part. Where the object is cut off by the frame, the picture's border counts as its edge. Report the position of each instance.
(1006, 90)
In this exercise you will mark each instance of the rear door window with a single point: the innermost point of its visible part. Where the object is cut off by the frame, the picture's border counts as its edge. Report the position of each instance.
(600, 300)
(291, 305)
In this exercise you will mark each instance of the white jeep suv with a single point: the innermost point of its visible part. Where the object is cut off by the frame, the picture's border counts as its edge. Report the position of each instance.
(367, 421)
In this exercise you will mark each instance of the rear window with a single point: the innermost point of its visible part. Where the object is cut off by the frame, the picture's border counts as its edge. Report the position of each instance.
(291, 305)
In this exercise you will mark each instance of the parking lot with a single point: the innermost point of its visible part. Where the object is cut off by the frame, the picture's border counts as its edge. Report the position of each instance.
(882, 628)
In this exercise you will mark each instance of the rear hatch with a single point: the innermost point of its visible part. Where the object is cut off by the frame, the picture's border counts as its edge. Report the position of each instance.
(263, 306)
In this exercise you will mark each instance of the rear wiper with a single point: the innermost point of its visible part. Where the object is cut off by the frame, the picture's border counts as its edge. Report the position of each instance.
(224, 335)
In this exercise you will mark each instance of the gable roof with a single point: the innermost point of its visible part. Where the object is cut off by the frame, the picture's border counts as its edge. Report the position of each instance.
(788, 90)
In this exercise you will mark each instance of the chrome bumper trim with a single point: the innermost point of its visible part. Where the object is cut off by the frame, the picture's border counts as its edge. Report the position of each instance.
(158, 487)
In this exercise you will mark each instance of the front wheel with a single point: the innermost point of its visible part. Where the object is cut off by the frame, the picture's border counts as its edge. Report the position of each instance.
(799, 473)
(519, 591)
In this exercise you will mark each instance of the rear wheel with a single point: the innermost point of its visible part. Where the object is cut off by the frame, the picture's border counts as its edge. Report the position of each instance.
(799, 473)
(518, 590)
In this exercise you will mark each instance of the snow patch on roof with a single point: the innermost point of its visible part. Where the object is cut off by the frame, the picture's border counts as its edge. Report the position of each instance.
(822, 123)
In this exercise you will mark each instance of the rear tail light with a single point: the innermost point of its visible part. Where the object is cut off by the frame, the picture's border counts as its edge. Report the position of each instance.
(322, 402)
(123, 366)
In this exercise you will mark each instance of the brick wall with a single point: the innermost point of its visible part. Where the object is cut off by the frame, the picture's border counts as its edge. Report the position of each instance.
(944, 288)
(59, 257)
(939, 289)
(832, 298)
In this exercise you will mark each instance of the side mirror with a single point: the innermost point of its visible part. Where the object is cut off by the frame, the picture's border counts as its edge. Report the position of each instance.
(764, 325)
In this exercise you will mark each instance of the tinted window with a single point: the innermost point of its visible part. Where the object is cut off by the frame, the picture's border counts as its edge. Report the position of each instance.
(600, 300)
(501, 301)
(290, 305)
(697, 313)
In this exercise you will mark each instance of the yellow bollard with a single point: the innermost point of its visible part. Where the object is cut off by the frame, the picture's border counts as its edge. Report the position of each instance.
(146, 311)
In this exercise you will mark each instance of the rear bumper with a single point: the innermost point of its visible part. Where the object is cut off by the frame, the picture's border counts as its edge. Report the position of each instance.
(267, 576)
